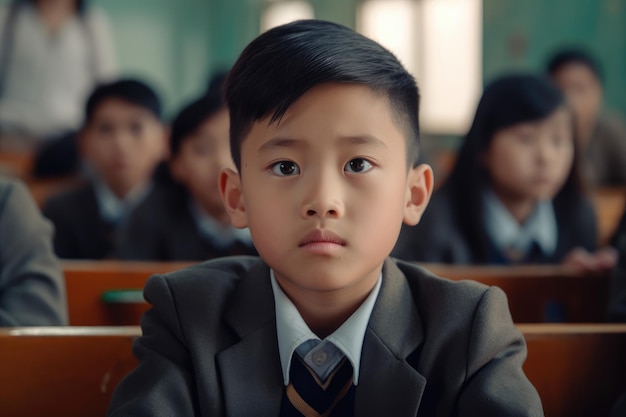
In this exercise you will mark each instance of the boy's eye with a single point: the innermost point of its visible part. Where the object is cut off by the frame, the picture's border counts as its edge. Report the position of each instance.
(358, 165)
(136, 128)
(285, 168)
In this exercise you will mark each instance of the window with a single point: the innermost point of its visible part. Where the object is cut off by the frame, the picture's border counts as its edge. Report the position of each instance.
(440, 43)
(280, 12)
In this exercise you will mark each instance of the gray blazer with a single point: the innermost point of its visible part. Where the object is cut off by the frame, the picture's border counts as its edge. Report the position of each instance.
(32, 289)
(433, 347)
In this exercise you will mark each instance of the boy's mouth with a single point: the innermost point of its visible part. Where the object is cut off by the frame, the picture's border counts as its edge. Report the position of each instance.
(321, 236)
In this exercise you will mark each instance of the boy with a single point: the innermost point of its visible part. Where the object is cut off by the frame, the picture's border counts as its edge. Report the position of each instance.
(324, 136)
(602, 133)
(186, 220)
(121, 142)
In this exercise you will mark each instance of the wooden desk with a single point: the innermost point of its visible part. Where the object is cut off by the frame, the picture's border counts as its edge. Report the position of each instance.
(579, 370)
(62, 371)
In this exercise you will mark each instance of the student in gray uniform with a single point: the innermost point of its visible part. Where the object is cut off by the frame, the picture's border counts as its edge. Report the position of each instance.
(32, 289)
(121, 143)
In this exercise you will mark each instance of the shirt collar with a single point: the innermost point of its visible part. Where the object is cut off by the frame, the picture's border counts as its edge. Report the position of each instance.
(507, 233)
(219, 235)
(112, 208)
(293, 331)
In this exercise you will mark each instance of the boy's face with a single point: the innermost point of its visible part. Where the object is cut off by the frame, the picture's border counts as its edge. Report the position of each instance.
(325, 191)
(531, 161)
(201, 157)
(583, 91)
(123, 142)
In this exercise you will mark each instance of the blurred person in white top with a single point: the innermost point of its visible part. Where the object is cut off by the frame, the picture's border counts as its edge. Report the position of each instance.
(52, 54)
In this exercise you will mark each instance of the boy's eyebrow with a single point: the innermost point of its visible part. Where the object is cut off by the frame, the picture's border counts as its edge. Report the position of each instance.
(351, 140)
(363, 140)
(279, 143)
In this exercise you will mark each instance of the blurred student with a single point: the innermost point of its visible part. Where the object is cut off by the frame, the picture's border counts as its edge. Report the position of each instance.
(617, 287)
(514, 195)
(121, 143)
(32, 289)
(186, 220)
(602, 135)
(52, 54)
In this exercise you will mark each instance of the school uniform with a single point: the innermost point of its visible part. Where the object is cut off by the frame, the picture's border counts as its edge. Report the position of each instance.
(431, 347)
(87, 218)
(169, 226)
(32, 289)
(604, 160)
(559, 228)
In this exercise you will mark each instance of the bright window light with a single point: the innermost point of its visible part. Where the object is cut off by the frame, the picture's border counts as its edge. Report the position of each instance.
(281, 12)
(440, 43)
(392, 24)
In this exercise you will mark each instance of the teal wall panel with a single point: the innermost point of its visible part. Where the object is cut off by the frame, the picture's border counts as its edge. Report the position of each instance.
(522, 34)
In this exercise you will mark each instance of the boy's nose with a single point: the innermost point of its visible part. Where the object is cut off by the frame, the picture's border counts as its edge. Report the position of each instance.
(323, 200)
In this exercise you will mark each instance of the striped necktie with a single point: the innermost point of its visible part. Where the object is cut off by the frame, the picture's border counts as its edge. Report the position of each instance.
(310, 396)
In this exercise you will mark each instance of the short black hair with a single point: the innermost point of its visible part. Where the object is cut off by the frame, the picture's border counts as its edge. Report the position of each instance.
(282, 64)
(192, 116)
(574, 55)
(130, 90)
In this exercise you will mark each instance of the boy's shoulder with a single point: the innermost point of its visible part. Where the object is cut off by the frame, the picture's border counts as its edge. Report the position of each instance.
(228, 268)
(218, 278)
(76, 198)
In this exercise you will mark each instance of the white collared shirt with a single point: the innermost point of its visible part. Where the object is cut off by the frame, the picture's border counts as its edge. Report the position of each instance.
(219, 235)
(292, 331)
(508, 234)
(112, 208)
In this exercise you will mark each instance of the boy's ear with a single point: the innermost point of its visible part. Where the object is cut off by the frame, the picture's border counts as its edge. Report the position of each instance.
(419, 188)
(229, 184)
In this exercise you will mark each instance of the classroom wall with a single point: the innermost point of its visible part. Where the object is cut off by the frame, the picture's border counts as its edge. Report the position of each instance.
(177, 44)
(521, 35)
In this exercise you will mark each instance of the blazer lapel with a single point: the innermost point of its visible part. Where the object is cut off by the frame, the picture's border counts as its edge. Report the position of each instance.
(250, 370)
(388, 385)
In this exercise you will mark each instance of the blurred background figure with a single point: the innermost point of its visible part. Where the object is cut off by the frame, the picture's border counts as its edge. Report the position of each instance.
(514, 195)
(32, 289)
(601, 134)
(52, 54)
(121, 143)
(185, 218)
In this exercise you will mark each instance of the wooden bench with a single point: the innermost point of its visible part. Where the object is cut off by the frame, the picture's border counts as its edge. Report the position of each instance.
(62, 371)
(535, 293)
(540, 293)
(15, 162)
(87, 282)
(579, 370)
(43, 189)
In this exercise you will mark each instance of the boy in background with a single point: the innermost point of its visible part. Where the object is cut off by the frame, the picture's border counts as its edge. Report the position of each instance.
(324, 135)
(601, 133)
(184, 218)
(121, 143)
